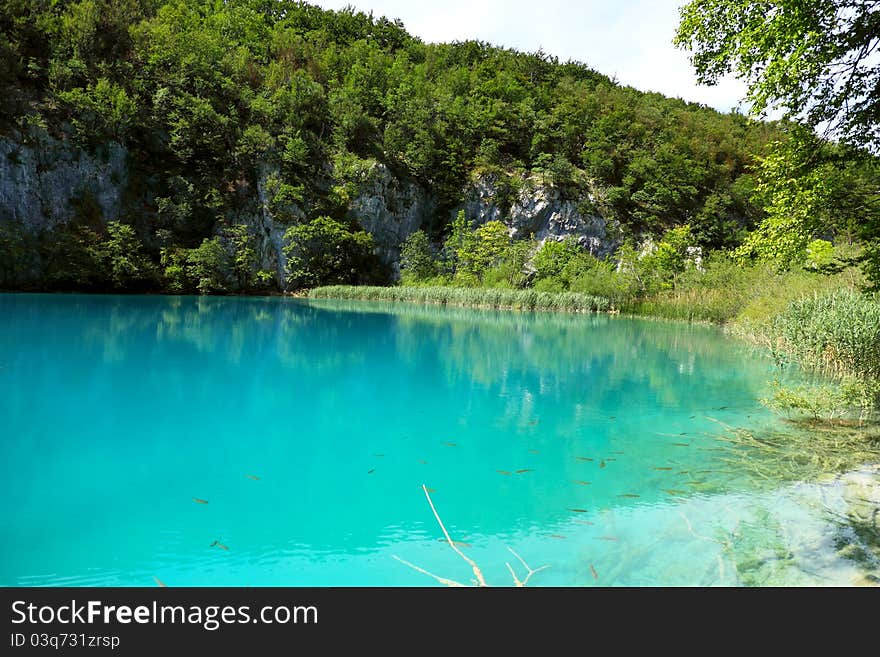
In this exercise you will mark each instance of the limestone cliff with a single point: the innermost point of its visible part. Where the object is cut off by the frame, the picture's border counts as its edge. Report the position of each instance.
(540, 210)
(45, 181)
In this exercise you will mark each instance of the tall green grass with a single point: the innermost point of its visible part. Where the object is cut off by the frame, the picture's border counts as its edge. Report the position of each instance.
(468, 296)
(837, 333)
(729, 292)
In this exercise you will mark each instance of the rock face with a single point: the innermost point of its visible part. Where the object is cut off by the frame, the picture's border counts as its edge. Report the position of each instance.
(390, 209)
(44, 182)
(540, 210)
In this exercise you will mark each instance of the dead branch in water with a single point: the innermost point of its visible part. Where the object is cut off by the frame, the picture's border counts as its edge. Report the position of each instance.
(531, 570)
(480, 579)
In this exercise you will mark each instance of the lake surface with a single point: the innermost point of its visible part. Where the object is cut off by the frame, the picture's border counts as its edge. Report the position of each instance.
(586, 443)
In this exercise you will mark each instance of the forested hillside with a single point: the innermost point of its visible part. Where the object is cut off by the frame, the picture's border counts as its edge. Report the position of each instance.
(213, 112)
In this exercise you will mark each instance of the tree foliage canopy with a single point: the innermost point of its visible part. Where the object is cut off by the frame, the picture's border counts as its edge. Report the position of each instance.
(817, 59)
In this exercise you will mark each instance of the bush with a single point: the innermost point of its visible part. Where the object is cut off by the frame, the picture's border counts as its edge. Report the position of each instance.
(417, 261)
(325, 251)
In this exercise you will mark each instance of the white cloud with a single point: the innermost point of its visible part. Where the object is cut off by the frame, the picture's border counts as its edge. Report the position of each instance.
(628, 39)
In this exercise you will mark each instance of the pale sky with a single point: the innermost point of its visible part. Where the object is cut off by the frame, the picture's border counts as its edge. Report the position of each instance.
(627, 39)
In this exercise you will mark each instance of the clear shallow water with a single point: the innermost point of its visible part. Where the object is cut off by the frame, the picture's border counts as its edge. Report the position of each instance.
(117, 411)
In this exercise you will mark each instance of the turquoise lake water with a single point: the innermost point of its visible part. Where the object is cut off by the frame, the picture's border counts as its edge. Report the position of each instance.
(582, 442)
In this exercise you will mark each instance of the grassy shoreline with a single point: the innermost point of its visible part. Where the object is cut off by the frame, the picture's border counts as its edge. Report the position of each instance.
(492, 298)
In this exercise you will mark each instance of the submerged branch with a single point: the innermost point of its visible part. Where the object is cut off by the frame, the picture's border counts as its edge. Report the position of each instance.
(478, 574)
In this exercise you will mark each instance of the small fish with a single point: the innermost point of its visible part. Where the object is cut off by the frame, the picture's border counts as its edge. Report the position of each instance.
(578, 510)
(451, 444)
(608, 538)
(582, 482)
(504, 472)
(610, 459)
(371, 471)
(595, 574)
(219, 545)
(659, 468)
(159, 582)
(602, 464)
(612, 417)
(199, 500)
(674, 491)
(423, 462)
(430, 490)
(680, 444)
(629, 495)
(584, 522)
(683, 433)
(254, 477)
(617, 453)
(460, 544)
(704, 471)
(583, 458)
(722, 408)
(523, 471)
(379, 455)
(557, 536)
(695, 482)
(684, 472)
(693, 416)
(534, 451)
(533, 422)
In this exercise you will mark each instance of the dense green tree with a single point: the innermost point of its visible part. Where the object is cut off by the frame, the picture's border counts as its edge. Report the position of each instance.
(814, 58)
(817, 60)
(553, 256)
(121, 258)
(324, 251)
(417, 262)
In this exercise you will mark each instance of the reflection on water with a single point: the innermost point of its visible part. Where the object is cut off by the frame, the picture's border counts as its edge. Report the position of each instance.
(308, 427)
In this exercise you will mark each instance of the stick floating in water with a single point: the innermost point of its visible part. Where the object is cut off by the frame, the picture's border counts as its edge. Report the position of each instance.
(504, 472)
(595, 574)
(219, 545)
(199, 500)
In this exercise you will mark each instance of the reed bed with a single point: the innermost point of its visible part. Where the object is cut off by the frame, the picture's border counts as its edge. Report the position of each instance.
(529, 300)
(836, 333)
